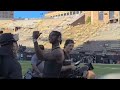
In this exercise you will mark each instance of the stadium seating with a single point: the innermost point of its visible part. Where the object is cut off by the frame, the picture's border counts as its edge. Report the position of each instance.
(79, 33)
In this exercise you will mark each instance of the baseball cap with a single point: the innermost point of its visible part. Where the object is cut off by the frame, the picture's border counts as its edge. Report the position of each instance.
(6, 38)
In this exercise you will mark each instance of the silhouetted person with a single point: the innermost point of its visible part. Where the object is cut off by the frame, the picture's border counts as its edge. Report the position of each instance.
(10, 68)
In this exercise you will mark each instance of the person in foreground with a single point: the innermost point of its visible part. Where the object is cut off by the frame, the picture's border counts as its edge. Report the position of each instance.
(69, 67)
(10, 68)
(54, 58)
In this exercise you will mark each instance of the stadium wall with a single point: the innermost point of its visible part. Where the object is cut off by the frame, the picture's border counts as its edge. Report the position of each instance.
(107, 15)
(6, 14)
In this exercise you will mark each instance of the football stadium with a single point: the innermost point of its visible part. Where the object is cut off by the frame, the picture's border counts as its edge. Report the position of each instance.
(96, 36)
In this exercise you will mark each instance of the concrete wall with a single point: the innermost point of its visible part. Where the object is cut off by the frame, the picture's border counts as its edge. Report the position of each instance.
(81, 20)
(6, 14)
(106, 16)
(95, 16)
(87, 14)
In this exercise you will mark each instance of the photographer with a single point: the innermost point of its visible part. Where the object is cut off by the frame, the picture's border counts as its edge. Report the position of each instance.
(67, 63)
(69, 68)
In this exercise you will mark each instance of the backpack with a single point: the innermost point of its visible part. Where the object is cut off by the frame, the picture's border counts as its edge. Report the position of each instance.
(28, 74)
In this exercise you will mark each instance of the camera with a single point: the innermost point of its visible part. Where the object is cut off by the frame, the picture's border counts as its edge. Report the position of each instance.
(90, 66)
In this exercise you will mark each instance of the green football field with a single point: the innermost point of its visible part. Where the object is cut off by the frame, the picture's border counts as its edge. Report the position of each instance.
(99, 69)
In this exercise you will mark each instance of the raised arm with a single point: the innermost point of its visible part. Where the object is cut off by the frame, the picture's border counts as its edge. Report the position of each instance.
(53, 55)
(38, 51)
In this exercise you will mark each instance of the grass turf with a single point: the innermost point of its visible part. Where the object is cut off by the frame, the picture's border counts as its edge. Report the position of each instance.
(99, 69)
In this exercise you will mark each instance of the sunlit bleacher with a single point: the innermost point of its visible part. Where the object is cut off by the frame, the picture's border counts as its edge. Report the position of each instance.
(79, 33)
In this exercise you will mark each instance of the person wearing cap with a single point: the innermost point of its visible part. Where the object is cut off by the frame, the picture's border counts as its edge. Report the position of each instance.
(10, 68)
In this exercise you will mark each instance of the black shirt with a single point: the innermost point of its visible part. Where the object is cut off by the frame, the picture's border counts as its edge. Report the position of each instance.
(66, 62)
(11, 68)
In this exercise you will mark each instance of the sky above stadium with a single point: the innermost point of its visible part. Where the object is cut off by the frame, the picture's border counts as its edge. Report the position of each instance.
(29, 14)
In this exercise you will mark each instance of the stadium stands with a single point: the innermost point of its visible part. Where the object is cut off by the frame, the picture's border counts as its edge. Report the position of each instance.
(80, 33)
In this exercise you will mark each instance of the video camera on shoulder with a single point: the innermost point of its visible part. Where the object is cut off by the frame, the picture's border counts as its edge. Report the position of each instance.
(88, 64)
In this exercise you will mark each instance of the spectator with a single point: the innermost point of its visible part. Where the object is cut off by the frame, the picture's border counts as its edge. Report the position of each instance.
(10, 68)
(37, 65)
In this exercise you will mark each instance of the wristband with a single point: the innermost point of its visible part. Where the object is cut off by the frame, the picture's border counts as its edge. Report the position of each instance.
(34, 40)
